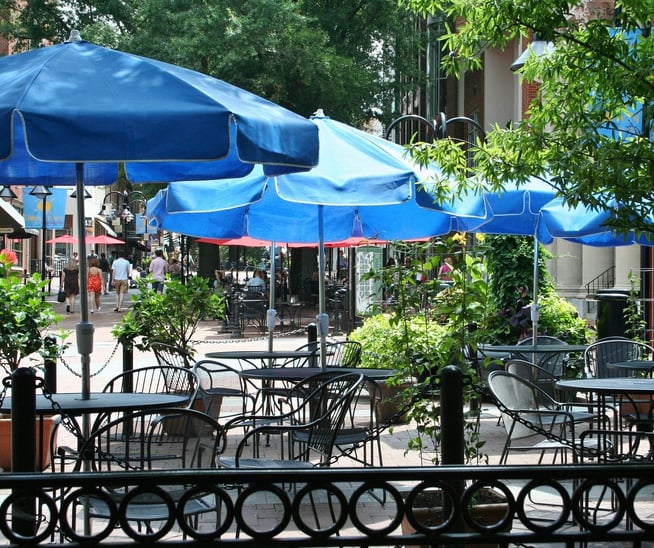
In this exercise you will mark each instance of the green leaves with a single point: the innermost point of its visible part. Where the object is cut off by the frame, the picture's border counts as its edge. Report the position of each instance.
(171, 317)
(599, 70)
(24, 317)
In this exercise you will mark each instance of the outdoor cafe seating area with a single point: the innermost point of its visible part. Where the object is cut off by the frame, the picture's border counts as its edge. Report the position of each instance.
(258, 409)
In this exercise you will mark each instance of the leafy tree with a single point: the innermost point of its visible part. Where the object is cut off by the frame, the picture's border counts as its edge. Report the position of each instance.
(339, 56)
(599, 70)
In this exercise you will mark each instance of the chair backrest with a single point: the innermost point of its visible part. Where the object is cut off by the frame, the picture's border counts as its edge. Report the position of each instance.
(553, 362)
(218, 382)
(322, 411)
(156, 379)
(254, 305)
(515, 397)
(343, 354)
(167, 354)
(179, 439)
(613, 349)
(533, 373)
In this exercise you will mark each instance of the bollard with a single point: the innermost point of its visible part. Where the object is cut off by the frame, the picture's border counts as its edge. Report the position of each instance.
(50, 364)
(452, 429)
(23, 445)
(312, 341)
(236, 317)
(128, 365)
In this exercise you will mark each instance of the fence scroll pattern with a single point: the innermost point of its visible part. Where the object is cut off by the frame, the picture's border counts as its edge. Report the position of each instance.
(587, 503)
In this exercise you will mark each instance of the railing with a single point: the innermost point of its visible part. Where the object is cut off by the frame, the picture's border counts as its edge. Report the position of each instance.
(331, 506)
(605, 280)
(269, 507)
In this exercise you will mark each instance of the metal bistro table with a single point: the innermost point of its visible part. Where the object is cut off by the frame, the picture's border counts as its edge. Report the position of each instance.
(266, 358)
(99, 402)
(297, 374)
(529, 352)
(533, 348)
(646, 366)
(622, 387)
(269, 375)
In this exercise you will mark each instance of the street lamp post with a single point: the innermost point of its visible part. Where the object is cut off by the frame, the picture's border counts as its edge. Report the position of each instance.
(126, 203)
(438, 127)
(42, 192)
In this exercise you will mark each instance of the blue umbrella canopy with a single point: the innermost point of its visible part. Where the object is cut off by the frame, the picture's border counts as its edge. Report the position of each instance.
(252, 207)
(81, 103)
(588, 226)
(514, 210)
(71, 113)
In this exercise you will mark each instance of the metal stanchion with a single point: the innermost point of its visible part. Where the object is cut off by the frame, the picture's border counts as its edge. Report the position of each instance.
(50, 364)
(23, 445)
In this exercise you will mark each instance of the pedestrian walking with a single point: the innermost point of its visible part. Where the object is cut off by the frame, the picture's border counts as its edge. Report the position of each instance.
(158, 269)
(70, 283)
(121, 272)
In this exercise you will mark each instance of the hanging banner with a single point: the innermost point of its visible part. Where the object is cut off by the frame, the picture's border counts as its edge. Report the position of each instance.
(368, 292)
(141, 226)
(55, 209)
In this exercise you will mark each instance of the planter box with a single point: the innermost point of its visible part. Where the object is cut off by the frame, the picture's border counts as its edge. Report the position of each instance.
(391, 402)
(490, 513)
(44, 443)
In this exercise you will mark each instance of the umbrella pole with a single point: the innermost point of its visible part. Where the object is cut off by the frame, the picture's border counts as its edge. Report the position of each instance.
(535, 308)
(84, 329)
(322, 318)
(272, 313)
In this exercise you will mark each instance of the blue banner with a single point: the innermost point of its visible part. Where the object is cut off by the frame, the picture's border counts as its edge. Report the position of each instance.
(55, 209)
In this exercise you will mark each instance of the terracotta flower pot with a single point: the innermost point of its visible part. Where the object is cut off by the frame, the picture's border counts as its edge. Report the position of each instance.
(391, 402)
(42, 443)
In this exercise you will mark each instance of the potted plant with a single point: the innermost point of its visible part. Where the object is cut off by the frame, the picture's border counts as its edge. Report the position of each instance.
(171, 317)
(24, 317)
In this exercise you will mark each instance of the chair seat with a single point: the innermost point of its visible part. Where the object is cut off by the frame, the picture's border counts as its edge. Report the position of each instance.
(263, 464)
(348, 436)
(153, 510)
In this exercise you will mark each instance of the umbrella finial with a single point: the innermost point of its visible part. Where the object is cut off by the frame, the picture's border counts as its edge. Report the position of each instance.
(75, 36)
(319, 114)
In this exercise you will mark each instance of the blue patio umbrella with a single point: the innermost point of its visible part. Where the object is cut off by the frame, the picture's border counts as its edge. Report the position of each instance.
(71, 113)
(364, 186)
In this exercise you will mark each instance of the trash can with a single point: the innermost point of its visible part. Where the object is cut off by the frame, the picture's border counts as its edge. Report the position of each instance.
(611, 306)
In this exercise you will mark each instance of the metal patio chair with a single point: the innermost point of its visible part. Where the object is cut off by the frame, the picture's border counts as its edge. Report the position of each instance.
(534, 418)
(160, 439)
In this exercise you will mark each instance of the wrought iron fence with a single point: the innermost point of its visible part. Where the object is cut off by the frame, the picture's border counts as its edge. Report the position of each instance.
(339, 507)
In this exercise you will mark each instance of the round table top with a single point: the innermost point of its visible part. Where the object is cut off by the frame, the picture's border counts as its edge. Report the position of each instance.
(300, 373)
(530, 348)
(633, 365)
(613, 385)
(99, 402)
(261, 354)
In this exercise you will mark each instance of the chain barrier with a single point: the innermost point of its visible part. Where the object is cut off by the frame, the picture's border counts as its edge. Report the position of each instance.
(102, 368)
(296, 332)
